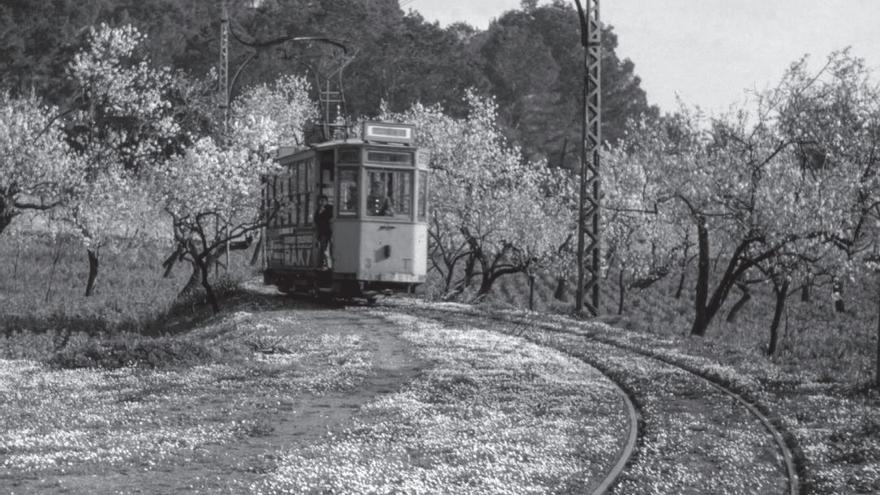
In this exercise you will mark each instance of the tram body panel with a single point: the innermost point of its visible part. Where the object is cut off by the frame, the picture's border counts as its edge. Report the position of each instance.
(376, 251)
(346, 237)
(392, 252)
(290, 248)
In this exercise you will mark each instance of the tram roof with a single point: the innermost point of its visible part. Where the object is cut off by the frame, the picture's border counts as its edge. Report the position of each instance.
(338, 142)
(287, 151)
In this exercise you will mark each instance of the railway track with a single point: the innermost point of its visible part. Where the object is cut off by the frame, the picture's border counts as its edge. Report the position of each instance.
(665, 433)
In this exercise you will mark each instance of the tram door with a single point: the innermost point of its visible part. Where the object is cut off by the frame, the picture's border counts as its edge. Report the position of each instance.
(326, 188)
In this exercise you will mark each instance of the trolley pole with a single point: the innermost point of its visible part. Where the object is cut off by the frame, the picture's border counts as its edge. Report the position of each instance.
(591, 138)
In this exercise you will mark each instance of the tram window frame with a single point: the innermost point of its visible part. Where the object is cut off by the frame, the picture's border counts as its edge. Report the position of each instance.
(289, 198)
(326, 178)
(375, 156)
(394, 198)
(343, 210)
(348, 156)
(295, 197)
(422, 190)
(275, 204)
(305, 194)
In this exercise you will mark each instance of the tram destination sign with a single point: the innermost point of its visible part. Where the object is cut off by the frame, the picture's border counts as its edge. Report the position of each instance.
(385, 132)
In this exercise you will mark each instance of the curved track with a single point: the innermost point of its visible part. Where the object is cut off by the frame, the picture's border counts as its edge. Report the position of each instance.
(713, 391)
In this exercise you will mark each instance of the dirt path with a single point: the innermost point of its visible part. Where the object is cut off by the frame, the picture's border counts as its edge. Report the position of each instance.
(305, 417)
(299, 405)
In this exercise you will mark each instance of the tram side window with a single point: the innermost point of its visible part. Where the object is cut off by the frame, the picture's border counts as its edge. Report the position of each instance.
(391, 193)
(348, 191)
(281, 202)
(423, 195)
(264, 199)
(289, 199)
(326, 186)
(275, 202)
(296, 185)
(305, 182)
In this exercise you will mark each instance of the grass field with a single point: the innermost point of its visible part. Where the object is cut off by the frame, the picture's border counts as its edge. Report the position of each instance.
(840, 346)
(43, 285)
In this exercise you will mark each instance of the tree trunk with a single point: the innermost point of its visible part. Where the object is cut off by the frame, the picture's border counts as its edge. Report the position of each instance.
(257, 250)
(806, 290)
(877, 364)
(681, 280)
(701, 316)
(450, 274)
(7, 212)
(531, 292)
(204, 268)
(621, 292)
(563, 153)
(469, 269)
(837, 295)
(685, 261)
(195, 279)
(559, 293)
(55, 259)
(746, 297)
(486, 281)
(93, 271)
(781, 293)
(5, 220)
(15, 263)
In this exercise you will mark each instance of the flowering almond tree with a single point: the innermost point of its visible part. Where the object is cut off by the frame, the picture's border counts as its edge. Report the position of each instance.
(643, 239)
(37, 168)
(488, 204)
(736, 181)
(122, 111)
(122, 122)
(833, 114)
(109, 210)
(212, 191)
(268, 115)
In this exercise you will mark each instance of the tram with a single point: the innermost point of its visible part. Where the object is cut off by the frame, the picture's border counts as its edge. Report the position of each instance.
(376, 186)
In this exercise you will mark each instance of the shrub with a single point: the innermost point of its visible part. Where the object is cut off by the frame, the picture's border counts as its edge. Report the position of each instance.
(130, 350)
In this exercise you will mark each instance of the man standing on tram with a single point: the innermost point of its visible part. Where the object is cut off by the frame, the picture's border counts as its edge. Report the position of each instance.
(322, 218)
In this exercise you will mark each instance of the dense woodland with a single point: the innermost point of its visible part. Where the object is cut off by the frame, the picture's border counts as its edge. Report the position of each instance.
(113, 103)
(529, 60)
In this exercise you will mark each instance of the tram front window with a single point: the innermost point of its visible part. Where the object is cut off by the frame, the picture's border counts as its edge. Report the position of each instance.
(390, 193)
(348, 196)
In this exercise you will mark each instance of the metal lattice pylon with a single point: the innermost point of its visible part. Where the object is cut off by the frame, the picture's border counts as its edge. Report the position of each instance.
(588, 216)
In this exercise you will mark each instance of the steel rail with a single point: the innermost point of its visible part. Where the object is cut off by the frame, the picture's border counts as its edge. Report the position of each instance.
(628, 449)
(791, 467)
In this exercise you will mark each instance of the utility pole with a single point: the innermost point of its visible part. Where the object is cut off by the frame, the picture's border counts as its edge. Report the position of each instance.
(591, 138)
(223, 94)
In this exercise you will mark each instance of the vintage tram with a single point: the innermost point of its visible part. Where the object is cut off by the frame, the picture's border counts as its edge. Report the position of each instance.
(377, 188)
